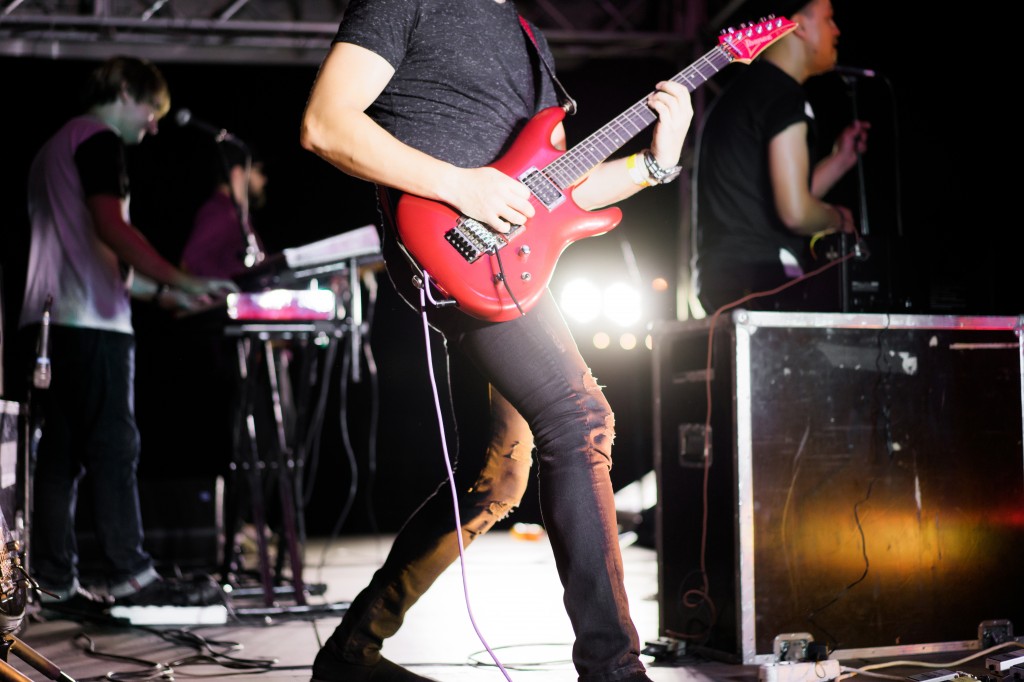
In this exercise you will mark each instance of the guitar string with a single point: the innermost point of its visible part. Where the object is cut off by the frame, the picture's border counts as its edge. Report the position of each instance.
(600, 145)
(568, 168)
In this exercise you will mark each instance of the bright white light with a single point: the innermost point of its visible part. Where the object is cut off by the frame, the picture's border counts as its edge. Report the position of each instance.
(581, 300)
(622, 304)
(627, 341)
(602, 340)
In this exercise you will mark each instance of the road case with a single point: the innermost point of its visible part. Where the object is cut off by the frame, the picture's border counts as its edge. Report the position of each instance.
(859, 479)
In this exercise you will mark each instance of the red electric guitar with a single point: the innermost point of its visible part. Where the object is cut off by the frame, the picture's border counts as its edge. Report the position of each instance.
(470, 264)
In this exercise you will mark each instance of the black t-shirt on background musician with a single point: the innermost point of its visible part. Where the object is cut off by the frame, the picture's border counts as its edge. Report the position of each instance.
(738, 233)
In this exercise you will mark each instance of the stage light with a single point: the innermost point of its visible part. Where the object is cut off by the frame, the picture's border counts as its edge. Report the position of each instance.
(622, 304)
(602, 340)
(581, 300)
(627, 341)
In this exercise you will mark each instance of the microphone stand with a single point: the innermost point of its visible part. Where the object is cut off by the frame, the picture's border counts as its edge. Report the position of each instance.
(34, 420)
(12, 645)
(15, 577)
(254, 254)
(865, 228)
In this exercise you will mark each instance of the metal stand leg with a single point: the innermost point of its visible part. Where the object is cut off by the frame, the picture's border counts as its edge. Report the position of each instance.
(254, 468)
(285, 481)
(250, 349)
(12, 645)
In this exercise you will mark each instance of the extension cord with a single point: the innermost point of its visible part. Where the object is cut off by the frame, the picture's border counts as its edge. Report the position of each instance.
(804, 671)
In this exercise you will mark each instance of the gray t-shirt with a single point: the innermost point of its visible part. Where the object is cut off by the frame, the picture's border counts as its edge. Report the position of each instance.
(466, 75)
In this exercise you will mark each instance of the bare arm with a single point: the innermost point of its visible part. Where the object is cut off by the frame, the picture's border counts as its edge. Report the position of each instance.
(850, 144)
(800, 210)
(336, 128)
(610, 182)
(132, 247)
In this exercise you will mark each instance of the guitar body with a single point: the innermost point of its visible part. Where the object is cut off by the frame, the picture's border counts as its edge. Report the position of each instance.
(527, 261)
(499, 277)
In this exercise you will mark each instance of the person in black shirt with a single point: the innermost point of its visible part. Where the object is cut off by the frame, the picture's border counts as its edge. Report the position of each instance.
(758, 193)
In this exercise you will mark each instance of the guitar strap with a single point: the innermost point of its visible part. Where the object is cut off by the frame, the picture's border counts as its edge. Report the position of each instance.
(567, 102)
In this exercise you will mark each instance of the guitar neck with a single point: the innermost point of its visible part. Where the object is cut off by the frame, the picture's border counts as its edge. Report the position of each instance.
(568, 169)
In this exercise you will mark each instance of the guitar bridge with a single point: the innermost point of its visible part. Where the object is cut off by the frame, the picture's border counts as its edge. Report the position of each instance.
(472, 238)
(547, 192)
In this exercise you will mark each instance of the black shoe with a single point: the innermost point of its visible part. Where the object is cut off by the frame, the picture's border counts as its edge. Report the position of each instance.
(328, 667)
(81, 605)
(166, 592)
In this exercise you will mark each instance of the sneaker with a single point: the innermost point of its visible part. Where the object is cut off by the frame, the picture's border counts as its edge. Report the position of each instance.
(168, 592)
(329, 667)
(80, 605)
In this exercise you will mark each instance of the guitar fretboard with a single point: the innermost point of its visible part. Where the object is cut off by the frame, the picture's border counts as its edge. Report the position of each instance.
(569, 168)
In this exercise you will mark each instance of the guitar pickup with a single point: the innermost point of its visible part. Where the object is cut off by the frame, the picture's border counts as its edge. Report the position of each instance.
(472, 238)
(547, 192)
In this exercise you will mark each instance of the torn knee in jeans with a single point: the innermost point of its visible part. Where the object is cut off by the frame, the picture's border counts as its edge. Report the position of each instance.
(498, 509)
(487, 516)
(601, 418)
(500, 486)
(497, 499)
(520, 451)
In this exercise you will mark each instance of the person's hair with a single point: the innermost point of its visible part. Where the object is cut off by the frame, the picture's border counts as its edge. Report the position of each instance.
(138, 77)
(753, 11)
(232, 155)
(227, 155)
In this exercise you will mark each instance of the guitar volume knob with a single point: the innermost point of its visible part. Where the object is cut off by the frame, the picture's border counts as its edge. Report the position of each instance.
(524, 250)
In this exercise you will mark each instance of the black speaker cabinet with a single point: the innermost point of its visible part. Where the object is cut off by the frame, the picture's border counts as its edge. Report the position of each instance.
(863, 481)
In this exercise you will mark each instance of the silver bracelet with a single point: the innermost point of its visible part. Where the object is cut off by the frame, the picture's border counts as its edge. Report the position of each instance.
(659, 175)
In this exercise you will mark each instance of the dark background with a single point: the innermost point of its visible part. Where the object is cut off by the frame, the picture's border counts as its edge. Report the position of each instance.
(939, 214)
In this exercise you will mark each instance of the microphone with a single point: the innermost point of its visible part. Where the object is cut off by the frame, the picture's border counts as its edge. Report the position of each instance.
(854, 71)
(41, 374)
(184, 118)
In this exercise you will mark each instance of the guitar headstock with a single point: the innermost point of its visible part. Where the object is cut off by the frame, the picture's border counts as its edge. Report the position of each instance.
(745, 43)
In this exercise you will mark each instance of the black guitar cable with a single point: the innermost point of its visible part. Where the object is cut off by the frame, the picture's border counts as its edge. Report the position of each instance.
(504, 280)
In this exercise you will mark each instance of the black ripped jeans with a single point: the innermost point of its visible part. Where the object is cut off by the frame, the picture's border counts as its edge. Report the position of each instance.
(543, 397)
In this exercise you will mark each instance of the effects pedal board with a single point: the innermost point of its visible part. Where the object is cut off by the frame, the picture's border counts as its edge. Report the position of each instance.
(1003, 662)
(943, 676)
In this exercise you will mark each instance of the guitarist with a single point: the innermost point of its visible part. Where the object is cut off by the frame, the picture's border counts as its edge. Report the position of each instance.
(417, 96)
(758, 194)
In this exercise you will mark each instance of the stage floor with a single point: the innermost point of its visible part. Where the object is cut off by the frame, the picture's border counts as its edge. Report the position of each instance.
(513, 595)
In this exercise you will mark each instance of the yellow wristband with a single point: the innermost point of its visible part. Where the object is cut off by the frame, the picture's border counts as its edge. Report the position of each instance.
(637, 171)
